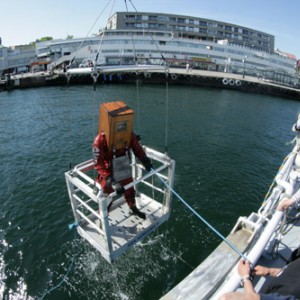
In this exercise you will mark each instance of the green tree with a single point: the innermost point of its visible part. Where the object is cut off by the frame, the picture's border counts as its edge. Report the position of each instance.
(44, 39)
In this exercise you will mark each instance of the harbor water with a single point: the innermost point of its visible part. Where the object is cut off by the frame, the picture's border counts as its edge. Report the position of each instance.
(227, 145)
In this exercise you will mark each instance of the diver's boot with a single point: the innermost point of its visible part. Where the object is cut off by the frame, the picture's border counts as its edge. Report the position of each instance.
(138, 213)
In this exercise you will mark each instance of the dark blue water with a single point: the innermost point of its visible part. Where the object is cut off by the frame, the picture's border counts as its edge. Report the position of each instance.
(227, 145)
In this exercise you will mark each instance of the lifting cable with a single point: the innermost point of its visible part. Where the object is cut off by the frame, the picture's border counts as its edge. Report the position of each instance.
(163, 58)
(133, 46)
(233, 247)
(95, 73)
(83, 40)
(138, 103)
(167, 113)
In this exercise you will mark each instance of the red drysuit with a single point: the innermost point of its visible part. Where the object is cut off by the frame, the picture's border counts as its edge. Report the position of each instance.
(103, 158)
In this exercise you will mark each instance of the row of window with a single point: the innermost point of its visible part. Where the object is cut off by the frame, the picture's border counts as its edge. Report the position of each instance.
(196, 22)
(195, 54)
(179, 28)
(194, 46)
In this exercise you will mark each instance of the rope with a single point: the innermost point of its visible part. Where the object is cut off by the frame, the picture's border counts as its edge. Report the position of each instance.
(102, 37)
(132, 5)
(95, 132)
(71, 61)
(162, 57)
(204, 221)
(138, 103)
(70, 267)
(132, 41)
(167, 115)
(179, 257)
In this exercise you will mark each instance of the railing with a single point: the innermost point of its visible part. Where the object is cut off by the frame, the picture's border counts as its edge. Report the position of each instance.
(89, 203)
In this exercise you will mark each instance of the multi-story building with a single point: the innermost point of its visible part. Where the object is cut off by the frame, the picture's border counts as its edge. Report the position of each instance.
(193, 28)
(138, 37)
(16, 58)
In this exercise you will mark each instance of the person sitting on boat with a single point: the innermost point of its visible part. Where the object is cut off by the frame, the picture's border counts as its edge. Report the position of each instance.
(283, 285)
(296, 126)
(111, 149)
(288, 202)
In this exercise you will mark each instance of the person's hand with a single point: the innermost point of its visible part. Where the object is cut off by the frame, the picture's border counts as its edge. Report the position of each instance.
(118, 188)
(147, 164)
(284, 204)
(260, 271)
(244, 268)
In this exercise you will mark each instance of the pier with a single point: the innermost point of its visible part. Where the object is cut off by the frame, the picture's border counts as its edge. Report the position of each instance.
(176, 76)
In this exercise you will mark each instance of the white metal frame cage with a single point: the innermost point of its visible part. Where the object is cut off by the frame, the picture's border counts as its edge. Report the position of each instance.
(113, 233)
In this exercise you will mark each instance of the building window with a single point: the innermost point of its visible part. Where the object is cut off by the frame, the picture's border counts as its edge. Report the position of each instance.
(211, 32)
(132, 17)
(152, 18)
(181, 28)
(211, 24)
(163, 18)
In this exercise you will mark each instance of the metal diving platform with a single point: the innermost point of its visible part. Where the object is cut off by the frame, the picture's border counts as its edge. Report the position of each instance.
(113, 233)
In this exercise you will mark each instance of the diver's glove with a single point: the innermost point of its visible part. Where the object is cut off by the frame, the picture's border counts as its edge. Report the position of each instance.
(147, 163)
(118, 188)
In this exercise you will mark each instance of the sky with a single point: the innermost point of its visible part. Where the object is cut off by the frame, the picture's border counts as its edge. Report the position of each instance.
(24, 21)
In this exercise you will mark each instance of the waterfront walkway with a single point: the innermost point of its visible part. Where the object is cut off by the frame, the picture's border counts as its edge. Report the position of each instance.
(244, 83)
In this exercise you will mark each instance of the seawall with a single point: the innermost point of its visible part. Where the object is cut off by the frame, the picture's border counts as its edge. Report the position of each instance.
(175, 76)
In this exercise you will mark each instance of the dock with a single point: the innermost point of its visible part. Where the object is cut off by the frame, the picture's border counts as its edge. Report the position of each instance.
(176, 76)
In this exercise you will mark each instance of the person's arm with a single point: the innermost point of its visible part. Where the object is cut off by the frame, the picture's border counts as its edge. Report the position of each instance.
(246, 281)
(264, 271)
(287, 202)
(102, 160)
(140, 153)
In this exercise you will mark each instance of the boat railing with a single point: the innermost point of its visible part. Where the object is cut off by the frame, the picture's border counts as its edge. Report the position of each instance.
(113, 232)
(284, 185)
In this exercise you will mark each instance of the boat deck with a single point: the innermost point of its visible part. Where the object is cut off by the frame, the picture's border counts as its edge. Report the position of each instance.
(288, 243)
(211, 273)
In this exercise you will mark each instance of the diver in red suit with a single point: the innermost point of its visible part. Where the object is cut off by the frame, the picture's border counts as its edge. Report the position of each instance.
(114, 168)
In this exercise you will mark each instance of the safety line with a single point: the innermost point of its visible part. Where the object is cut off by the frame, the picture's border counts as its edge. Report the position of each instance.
(70, 267)
(204, 221)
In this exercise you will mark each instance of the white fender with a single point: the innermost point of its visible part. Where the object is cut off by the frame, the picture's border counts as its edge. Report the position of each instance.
(225, 81)
(231, 82)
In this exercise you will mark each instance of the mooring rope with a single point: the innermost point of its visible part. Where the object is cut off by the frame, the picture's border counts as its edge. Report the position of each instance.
(233, 247)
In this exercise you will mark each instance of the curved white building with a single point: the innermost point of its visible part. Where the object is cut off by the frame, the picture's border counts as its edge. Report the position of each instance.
(175, 40)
